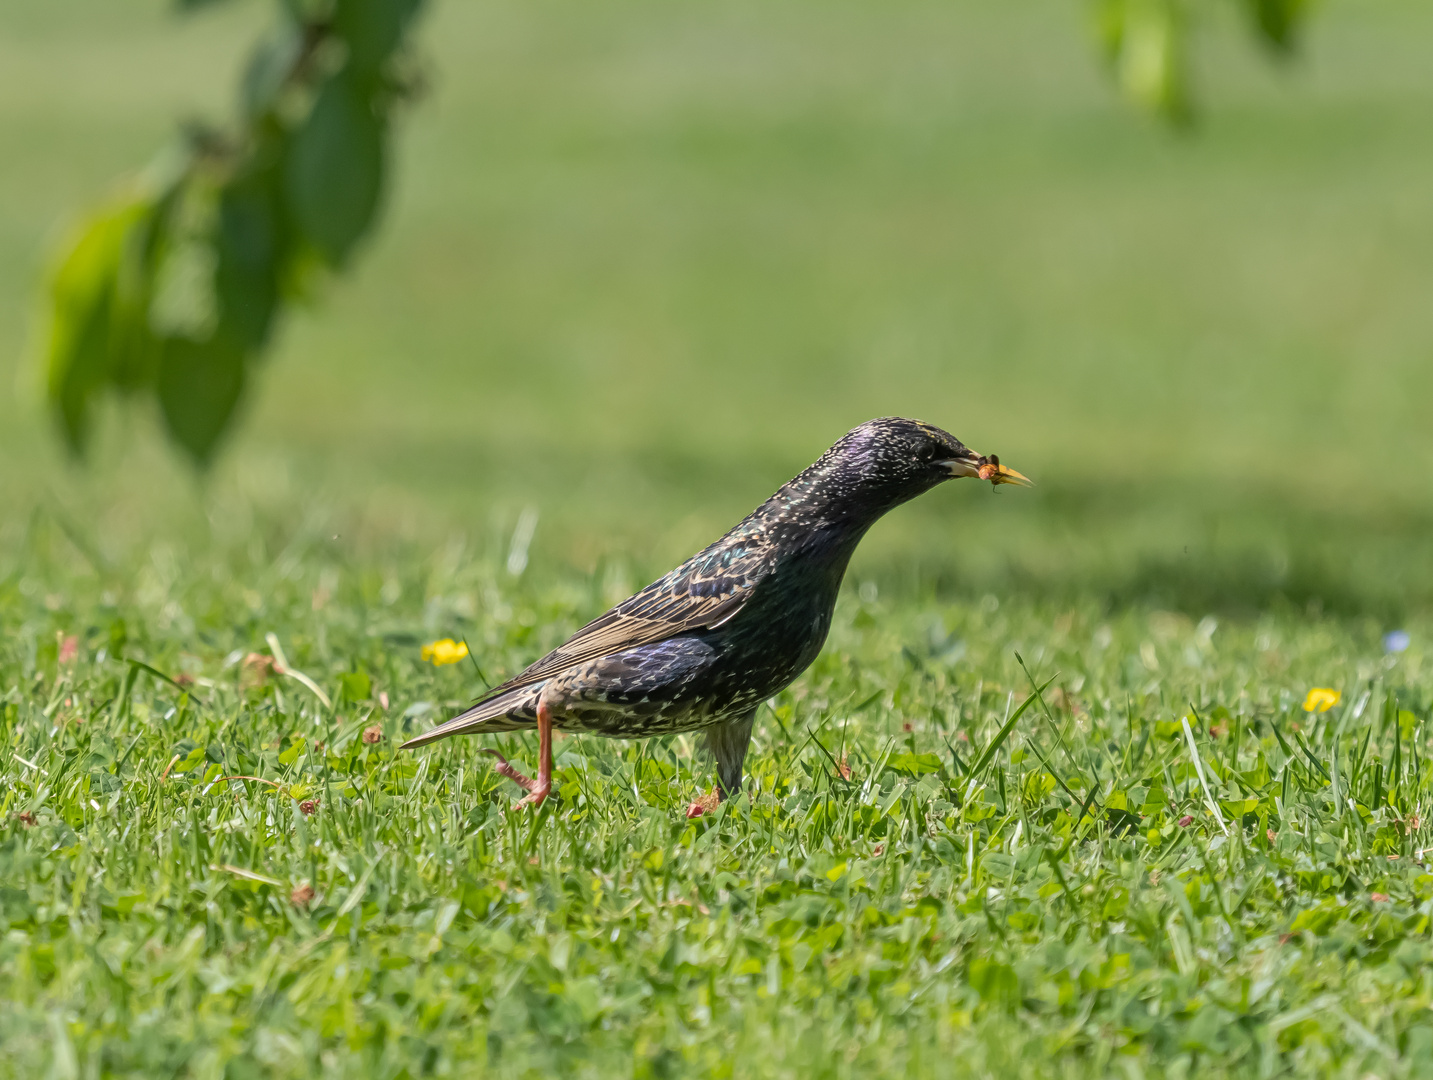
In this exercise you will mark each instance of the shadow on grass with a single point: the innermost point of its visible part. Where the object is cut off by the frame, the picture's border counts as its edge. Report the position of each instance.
(1197, 552)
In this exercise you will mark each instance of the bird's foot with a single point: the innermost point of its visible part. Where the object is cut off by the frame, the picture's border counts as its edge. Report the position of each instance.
(536, 790)
(704, 804)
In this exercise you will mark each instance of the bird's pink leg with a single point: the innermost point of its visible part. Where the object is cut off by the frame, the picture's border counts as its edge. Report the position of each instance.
(537, 789)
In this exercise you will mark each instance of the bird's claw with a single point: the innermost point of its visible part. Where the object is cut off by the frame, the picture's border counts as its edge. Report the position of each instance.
(704, 804)
(537, 791)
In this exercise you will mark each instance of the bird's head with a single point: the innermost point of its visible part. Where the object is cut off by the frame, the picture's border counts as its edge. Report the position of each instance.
(884, 462)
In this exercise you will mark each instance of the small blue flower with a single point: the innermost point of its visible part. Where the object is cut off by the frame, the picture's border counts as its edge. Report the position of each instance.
(1396, 640)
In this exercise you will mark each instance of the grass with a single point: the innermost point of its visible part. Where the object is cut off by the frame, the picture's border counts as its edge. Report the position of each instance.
(642, 262)
(1057, 901)
(795, 218)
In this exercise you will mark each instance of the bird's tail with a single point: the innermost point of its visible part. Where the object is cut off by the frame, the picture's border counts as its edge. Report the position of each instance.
(510, 711)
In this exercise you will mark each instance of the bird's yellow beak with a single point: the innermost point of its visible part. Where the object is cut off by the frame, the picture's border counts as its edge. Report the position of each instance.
(987, 468)
(998, 474)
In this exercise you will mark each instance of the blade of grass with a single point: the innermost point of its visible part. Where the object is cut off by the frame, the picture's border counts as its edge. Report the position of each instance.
(486, 684)
(955, 757)
(1333, 773)
(1199, 770)
(1218, 892)
(1092, 785)
(1310, 755)
(1050, 768)
(835, 765)
(247, 875)
(283, 668)
(1059, 735)
(1006, 729)
(140, 664)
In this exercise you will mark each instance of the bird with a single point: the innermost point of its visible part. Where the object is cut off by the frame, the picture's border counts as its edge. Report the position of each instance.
(701, 647)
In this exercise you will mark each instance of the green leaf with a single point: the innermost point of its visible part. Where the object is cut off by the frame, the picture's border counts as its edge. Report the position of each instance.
(250, 243)
(996, 983)
(356, 685)
(199, 387)
(997, 865)
(1121, 822)
(303, 11)
(104, 783)
(1036, 786)
(269, 69)
(915, 764)
(123, 903)
(1155, 798)
(372, 28)
(1116, 900)
(96, 326)
(1317, 920)
(192, 758)
(297, 746)
(1145, 41)
(335, 168)
(404, 768)
(1278, 21)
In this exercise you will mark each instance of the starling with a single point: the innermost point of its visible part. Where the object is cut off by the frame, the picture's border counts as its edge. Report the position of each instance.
(703, 646)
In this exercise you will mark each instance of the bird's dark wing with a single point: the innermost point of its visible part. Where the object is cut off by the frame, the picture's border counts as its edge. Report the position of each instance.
(703, 592)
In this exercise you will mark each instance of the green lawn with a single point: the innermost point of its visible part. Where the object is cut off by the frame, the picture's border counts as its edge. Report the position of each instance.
(642, 262)
(944, 910)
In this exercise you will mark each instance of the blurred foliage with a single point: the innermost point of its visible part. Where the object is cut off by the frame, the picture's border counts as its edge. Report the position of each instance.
(174, 287)
(1147, 44)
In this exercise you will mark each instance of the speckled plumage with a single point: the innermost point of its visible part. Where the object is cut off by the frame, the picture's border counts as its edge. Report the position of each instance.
(702, 646)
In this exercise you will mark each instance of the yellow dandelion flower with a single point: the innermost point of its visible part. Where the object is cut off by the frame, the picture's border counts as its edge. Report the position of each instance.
(1321, 699)
(445, 651)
